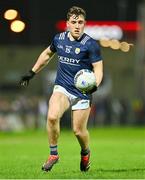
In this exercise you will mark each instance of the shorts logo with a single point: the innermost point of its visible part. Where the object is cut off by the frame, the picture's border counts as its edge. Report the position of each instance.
(77, 50)
(56, 87)
(84, 102)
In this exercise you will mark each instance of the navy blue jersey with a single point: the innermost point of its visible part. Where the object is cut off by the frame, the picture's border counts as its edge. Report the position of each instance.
(72, 57)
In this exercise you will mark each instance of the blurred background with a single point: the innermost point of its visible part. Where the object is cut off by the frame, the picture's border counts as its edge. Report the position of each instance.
(27, 27)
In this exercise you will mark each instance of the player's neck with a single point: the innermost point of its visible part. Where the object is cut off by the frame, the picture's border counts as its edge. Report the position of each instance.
(73, 38)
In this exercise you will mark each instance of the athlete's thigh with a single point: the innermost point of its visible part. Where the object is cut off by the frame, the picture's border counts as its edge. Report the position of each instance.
(58, 104)
(80, 118)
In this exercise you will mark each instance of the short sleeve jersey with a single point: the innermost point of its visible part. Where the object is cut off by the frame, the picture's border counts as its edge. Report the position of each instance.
(72, 57)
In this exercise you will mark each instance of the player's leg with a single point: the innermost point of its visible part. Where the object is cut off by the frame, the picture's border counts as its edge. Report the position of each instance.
(58, 104)
(79, 121)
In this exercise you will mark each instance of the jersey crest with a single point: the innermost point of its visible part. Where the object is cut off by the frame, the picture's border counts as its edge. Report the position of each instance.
(77, 50)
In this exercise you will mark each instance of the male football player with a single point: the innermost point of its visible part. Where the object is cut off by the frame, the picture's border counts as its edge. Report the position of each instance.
(76, 50)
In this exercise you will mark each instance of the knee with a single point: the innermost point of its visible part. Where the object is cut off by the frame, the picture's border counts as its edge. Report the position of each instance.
(52, 119)
(77, 131)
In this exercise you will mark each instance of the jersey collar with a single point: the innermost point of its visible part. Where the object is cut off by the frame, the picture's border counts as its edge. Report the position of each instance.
(69, 37)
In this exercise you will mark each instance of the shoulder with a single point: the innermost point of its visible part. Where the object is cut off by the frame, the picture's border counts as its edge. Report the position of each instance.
(89, 41)
(92, 43)
(60, 36)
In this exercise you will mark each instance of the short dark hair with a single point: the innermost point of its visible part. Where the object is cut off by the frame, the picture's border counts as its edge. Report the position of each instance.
(77, 11)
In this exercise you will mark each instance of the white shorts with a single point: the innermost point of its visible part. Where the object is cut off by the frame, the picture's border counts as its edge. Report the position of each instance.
(76, 103)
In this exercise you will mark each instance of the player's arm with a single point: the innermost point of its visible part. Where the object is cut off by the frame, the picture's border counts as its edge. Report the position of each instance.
(98, 71)
(97, 63)
(41, 62)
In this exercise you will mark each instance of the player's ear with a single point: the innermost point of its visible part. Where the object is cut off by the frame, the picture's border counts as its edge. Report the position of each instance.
(67, 24)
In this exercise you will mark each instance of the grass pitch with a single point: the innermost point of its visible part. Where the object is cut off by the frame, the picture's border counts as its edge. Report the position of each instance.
(116, 153)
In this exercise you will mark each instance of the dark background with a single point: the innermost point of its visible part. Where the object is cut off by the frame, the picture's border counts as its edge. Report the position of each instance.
(41, 16)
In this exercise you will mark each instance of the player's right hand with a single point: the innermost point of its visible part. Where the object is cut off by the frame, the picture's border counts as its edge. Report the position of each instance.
(24, 81)
(91, 91)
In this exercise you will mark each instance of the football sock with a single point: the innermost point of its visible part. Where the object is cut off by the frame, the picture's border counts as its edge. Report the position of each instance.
(53, 150)
(84, 152)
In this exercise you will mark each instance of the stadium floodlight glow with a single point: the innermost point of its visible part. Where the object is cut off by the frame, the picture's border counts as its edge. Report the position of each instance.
(10, 14)
(114, 44)
(124, 46)
(17, 26)
(105, 42)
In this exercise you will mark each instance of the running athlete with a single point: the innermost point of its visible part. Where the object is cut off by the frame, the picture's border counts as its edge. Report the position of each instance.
(76, 50)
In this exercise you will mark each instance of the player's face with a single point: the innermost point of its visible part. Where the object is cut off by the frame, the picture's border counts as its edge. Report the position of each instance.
(76, 25)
